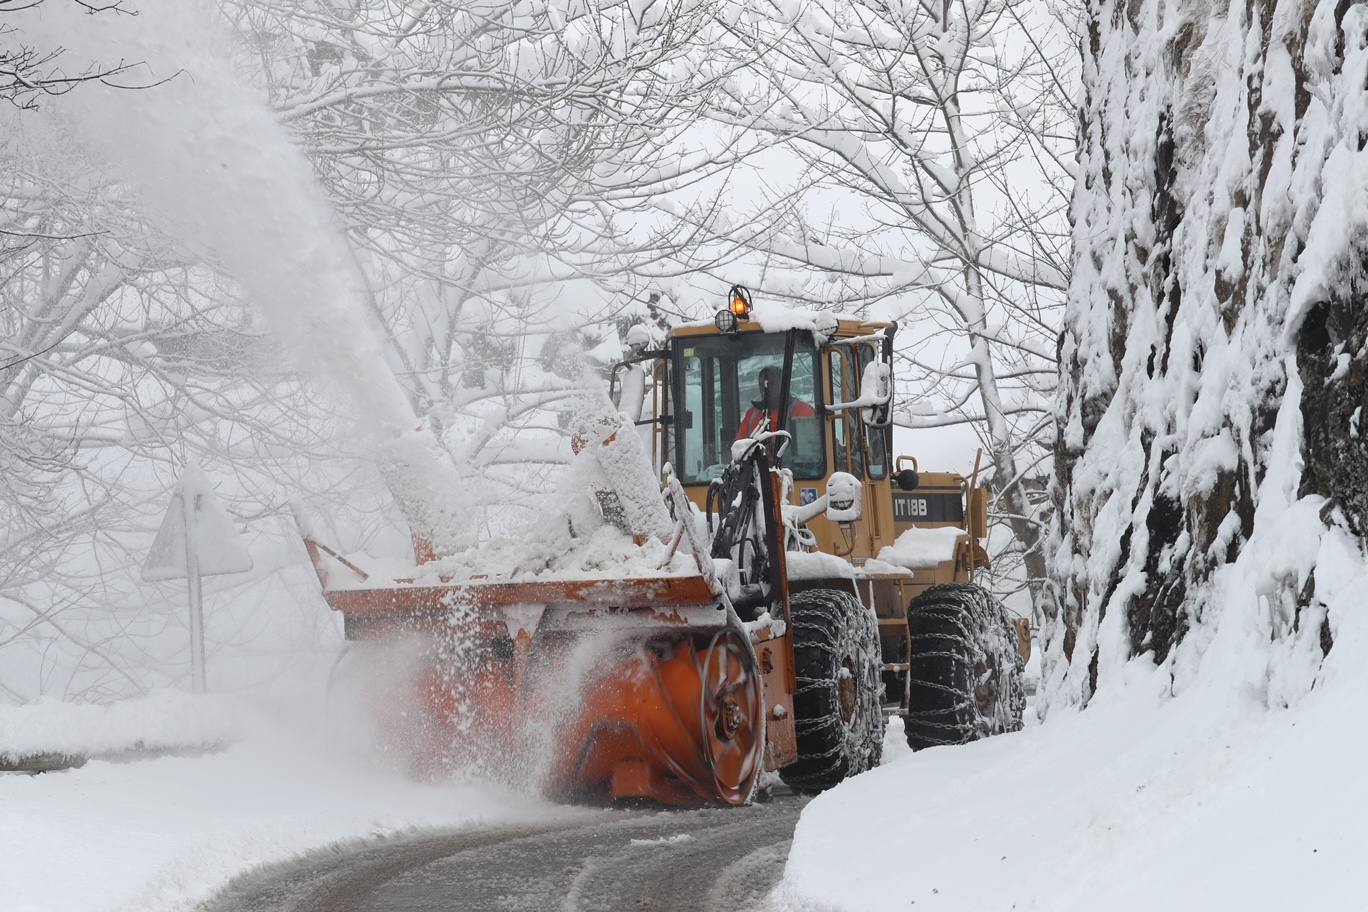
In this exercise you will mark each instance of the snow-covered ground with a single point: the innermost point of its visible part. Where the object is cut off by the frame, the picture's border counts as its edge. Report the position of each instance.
(1209, 800)
(163, 834)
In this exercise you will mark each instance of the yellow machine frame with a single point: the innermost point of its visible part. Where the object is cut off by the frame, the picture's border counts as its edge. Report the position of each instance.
(888, 593)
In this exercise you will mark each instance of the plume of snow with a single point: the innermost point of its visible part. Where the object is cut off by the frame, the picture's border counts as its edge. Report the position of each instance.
(204, 155)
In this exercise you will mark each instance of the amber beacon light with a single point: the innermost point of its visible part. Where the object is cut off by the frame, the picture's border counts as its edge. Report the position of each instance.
(740, 302)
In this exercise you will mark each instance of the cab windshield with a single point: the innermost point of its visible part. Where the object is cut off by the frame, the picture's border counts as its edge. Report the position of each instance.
(721, 386)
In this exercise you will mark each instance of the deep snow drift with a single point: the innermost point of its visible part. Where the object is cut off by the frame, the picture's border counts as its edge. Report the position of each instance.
(164, 834)
(1131, 805)
(1142, 801)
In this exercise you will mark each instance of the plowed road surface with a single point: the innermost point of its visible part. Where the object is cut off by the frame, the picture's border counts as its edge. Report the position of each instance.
(633, 861)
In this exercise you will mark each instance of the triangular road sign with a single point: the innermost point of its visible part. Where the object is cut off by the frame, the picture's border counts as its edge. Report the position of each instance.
(219, 546)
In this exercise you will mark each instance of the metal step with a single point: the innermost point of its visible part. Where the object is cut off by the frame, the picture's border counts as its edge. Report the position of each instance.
(896, 666)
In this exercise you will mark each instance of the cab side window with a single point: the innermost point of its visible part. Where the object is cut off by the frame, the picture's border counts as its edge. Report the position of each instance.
(701, 415)
(846, 422)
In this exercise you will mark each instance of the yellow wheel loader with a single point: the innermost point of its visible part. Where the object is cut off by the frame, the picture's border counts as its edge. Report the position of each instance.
(778, 585)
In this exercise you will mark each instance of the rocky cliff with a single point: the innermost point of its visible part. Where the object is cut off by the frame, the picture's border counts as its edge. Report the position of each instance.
(1212, 451)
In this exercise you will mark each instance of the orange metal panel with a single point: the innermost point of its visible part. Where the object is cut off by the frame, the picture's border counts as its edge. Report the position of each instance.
(417, 601)
(776, 670)
(639, 779)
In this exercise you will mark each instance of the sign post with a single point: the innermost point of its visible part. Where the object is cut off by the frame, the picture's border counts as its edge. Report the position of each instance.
(196, 539)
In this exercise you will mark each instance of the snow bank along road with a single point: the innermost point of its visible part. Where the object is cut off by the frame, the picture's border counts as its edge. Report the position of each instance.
(643, 861)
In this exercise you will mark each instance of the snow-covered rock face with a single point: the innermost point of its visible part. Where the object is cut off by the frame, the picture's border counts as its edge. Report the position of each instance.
(1213, 360)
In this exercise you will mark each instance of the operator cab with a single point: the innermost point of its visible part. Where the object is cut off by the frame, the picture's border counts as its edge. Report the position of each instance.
(729, 387)
(823, 381)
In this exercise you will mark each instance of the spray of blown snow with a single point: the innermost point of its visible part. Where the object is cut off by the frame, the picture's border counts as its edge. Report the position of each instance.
(207, 159)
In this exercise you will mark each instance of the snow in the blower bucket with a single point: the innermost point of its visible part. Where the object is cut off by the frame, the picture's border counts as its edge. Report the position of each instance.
(607, 520)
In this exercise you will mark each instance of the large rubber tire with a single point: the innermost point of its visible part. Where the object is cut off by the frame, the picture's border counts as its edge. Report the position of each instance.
(837, 709)
(965, 672)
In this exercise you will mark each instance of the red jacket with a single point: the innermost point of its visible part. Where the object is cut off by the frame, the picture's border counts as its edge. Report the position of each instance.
(751, 421)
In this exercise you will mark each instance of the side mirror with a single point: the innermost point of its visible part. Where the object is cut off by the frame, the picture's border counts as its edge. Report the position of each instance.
(907, 479)
(638, 356)
(875, 401)
(843, 498)
(876, 393)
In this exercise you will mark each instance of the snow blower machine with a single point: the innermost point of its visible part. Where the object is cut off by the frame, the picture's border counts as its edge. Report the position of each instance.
(740, 578)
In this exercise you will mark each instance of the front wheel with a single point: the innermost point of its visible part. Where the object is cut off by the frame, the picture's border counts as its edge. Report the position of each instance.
(837, 712)
(965, 671)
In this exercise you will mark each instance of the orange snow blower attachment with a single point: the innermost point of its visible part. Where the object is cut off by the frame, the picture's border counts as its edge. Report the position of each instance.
(673, 713)
(643, 686)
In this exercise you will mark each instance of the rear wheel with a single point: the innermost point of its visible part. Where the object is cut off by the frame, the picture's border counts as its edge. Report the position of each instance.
(837, 712)
(965, 671)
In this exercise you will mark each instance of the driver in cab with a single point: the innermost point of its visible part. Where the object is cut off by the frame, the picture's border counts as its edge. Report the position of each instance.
(767, 406)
